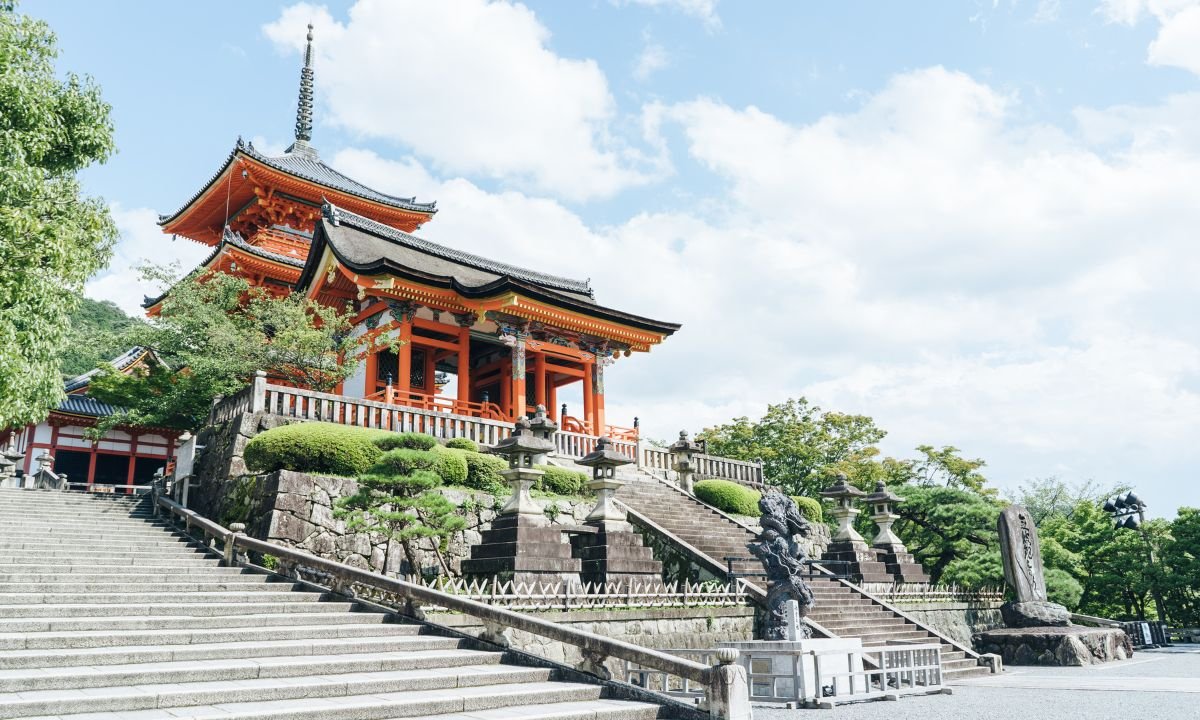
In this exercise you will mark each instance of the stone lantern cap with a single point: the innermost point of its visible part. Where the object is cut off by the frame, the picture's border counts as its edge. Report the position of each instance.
(523, 442)
(842, 489)
(683, 444)
(604, 456)
(541, 424)
(882, 495)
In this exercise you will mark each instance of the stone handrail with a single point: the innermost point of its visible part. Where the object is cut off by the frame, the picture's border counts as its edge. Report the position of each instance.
(743, 472)
(725, 683)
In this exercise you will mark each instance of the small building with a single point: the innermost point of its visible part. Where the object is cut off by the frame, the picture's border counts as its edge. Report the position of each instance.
(124, 456)
(507, 338)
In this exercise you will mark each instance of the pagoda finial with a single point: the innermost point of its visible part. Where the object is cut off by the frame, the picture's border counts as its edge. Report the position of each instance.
(304, 109)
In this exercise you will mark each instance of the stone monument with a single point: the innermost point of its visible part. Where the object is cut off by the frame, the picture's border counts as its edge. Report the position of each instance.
(1021, 553)
(1039, 632)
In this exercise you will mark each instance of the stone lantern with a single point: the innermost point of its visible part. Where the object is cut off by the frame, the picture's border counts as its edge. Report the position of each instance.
(543, 427)
(888, 546)
(521, 545)
(604, 462)
(844, 496)
(521, 449)
(683, 452)
(613, 553)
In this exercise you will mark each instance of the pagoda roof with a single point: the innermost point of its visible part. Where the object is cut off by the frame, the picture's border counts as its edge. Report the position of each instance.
(366, 247)
(122, 362)
(231, 239)
(301, 161)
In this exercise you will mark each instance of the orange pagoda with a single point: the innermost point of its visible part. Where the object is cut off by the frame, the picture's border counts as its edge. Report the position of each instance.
(507, 338)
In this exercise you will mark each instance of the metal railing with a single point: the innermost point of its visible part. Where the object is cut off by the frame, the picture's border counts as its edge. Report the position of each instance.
(724, 691)
(816, 677)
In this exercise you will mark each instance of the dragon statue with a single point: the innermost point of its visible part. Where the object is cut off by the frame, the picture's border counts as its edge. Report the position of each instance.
(783, 559)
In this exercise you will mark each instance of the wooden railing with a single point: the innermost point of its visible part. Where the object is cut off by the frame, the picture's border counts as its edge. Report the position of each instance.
(656, 459)
(724, 686)
(743, 472)
(434, 403)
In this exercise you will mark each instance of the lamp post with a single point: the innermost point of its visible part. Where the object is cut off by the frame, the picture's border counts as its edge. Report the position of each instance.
(683, 452)
(1129, 512)
(604, 462)
(520, 449)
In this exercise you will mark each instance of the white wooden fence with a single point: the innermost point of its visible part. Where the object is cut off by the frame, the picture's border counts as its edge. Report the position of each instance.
(924, 593)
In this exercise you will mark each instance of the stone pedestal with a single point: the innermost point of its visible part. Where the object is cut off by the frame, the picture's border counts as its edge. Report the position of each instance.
(862, 561)
(1056, 645)
(1035, 614)
(900, 564)
(781, 662)
(616, 555)
(521, 549)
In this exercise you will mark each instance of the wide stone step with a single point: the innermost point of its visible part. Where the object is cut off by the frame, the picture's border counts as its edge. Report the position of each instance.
(34, 573)
(226, 692)
(106, 561)
(65, 678)
(146, 598)
(78, 639)
(183, 621)
(199, 609)
(102, 553)
(183, 584)
(532, 701)
(158, 653)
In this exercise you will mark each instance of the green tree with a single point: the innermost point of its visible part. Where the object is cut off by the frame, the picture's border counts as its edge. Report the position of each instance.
(952, 532)
(54, 238)
(801, 445)
(946, 467)
(1180, 556)
(212, 334)
(96, 336)
(405, 509)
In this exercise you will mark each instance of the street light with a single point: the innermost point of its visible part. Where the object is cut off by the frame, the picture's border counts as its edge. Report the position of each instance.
(1129, 512)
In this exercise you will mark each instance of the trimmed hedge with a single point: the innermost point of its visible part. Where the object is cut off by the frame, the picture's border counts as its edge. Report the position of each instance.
(313, 447)
(561, 481)
(408, 440)
(483, 472)
(463, 444)
(810, 508)
(729, 497)
(450, 465)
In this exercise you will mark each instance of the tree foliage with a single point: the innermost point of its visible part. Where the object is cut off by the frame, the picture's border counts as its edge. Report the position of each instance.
(213, 333)
(96, 335)
(801, 446)
(54, 238)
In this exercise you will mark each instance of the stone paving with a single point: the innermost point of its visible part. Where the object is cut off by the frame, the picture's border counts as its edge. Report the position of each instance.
(1161, 684)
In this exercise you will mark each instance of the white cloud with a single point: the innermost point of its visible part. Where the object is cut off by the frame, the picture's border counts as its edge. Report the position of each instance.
(1047, 11)
(1178, 40)
(141, 240)
(473, 87)
(651, 59)
(703, 10)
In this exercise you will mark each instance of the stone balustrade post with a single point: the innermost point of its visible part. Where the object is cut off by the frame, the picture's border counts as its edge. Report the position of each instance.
(258, 393)
(728, 689)
(231, 554)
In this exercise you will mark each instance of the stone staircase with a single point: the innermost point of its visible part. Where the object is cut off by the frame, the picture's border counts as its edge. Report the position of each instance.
(107, 614)
(840, 609)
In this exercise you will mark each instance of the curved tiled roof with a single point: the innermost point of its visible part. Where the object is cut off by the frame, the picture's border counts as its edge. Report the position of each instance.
(338, 216)
(302, 161)
(229, 237)
(84, 405)
(120, 362)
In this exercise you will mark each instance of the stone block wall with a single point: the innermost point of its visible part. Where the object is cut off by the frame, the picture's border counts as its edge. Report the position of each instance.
(660, 628)
(958, 621)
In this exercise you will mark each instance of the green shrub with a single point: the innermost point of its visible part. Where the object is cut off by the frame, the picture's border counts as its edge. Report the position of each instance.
(408, 440)
(403, 461)
(729, 496)
(315, 448)
(560, 481)
(450, 465)
(483, 472)
(810, 508)
(463, 444)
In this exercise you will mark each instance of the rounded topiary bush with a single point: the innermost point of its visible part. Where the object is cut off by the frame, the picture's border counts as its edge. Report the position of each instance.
(728, 496)
(810, 508)
(484, 472)
(561, 481)
(463, 444)
(404, 461)
(450, 465)
(408, 440)
(314, 448)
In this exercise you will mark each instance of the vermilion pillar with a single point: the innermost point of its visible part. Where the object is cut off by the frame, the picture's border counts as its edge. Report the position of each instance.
(539, 373)
(518, 377)
(403, 312)
(465, 321)
(589, 399)
(598, 400)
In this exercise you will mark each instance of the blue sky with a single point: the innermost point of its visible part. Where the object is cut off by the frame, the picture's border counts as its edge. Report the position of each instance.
(971, 220)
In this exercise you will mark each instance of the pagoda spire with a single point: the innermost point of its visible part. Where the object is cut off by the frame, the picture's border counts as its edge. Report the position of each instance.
(304, 108)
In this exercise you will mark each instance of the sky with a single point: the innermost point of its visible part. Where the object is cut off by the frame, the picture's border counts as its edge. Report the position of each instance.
(974, 221)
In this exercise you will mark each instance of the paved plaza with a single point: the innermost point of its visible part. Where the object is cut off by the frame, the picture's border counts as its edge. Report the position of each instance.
(1162, 684)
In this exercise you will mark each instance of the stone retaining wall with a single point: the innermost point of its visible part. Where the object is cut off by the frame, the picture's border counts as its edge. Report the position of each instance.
(659, 628)
(957, 621)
